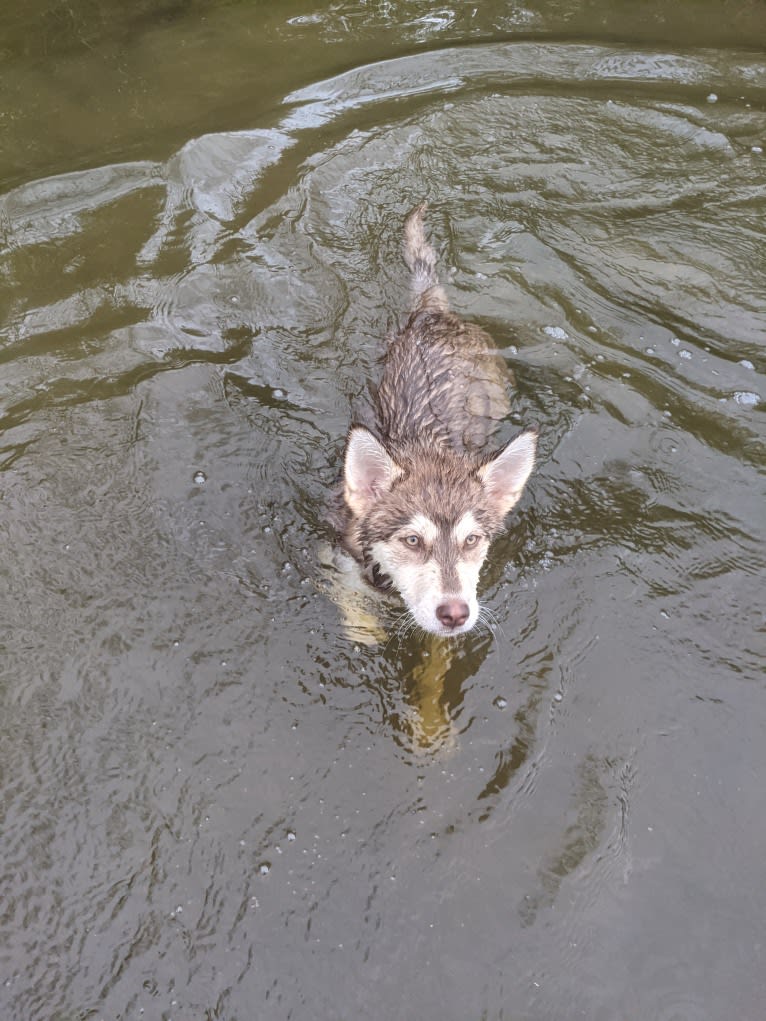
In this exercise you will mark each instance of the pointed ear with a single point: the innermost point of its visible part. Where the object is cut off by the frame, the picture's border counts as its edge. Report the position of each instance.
(368, 470)
(505, 476)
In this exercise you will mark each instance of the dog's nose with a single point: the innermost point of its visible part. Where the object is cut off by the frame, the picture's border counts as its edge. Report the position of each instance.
(453, 613)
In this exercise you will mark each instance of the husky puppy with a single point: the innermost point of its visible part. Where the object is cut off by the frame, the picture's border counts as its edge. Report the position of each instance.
(421, 497)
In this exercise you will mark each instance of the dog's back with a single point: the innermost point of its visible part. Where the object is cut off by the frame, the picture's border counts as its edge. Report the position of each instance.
(442, 382)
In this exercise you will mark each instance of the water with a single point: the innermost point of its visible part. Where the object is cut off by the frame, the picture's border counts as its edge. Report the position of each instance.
(216, 804)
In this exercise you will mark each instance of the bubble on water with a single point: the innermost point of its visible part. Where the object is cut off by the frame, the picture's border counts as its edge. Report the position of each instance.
(557, 697)
(305, 19)
(556, 332)
(675, 341)
(746, 399)
(650, 351)
(200, 478)
(500, 702)
(278, 393)
(756, 149)
(712, 98)
(685, 355)
(290, 835)
(746, 364)
(264, 868)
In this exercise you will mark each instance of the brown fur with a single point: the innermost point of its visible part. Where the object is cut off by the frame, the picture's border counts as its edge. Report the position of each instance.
(442, 393)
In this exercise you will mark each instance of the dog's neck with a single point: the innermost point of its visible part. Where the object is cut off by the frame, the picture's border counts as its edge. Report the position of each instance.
(373, 572)
(343, 521)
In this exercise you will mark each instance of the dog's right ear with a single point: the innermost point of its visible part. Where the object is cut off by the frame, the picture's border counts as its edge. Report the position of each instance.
(368, 470)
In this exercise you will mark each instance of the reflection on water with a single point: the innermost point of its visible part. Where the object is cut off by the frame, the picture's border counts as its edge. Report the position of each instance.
(214, 794)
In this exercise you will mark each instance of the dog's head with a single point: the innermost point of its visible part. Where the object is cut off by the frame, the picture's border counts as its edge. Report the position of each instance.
(424, 520)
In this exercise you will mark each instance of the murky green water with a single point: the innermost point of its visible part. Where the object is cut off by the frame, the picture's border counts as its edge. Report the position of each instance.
(214, 805)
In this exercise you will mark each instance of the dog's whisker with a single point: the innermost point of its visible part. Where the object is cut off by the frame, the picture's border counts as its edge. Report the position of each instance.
(408, 628)
(488, 620)
(400, 627)
(491, 623)
(396, 626)
(413, 630)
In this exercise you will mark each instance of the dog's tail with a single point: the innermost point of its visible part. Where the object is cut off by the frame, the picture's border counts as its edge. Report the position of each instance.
(427, 292)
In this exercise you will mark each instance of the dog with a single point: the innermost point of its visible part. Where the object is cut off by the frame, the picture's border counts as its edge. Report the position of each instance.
(422, 494)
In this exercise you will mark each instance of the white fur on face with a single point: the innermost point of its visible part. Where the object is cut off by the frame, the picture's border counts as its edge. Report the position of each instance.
(419, 580)
(424, 528)
(466, 526)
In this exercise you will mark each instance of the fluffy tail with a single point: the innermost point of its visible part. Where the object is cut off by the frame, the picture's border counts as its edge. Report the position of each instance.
(420, 257)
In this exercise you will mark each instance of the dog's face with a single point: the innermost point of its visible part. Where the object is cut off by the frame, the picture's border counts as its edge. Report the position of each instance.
(425, 524)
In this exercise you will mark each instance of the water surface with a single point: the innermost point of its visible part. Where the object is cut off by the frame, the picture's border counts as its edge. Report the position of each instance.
(216, 804)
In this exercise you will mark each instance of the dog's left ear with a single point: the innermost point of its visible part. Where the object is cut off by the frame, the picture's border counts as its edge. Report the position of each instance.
(368, 470)
(505, 476)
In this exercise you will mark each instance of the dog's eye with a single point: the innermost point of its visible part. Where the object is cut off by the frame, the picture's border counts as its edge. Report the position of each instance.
(471, 540)
(411, 540)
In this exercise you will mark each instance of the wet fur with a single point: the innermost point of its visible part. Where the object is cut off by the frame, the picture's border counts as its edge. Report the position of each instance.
(422, 467)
